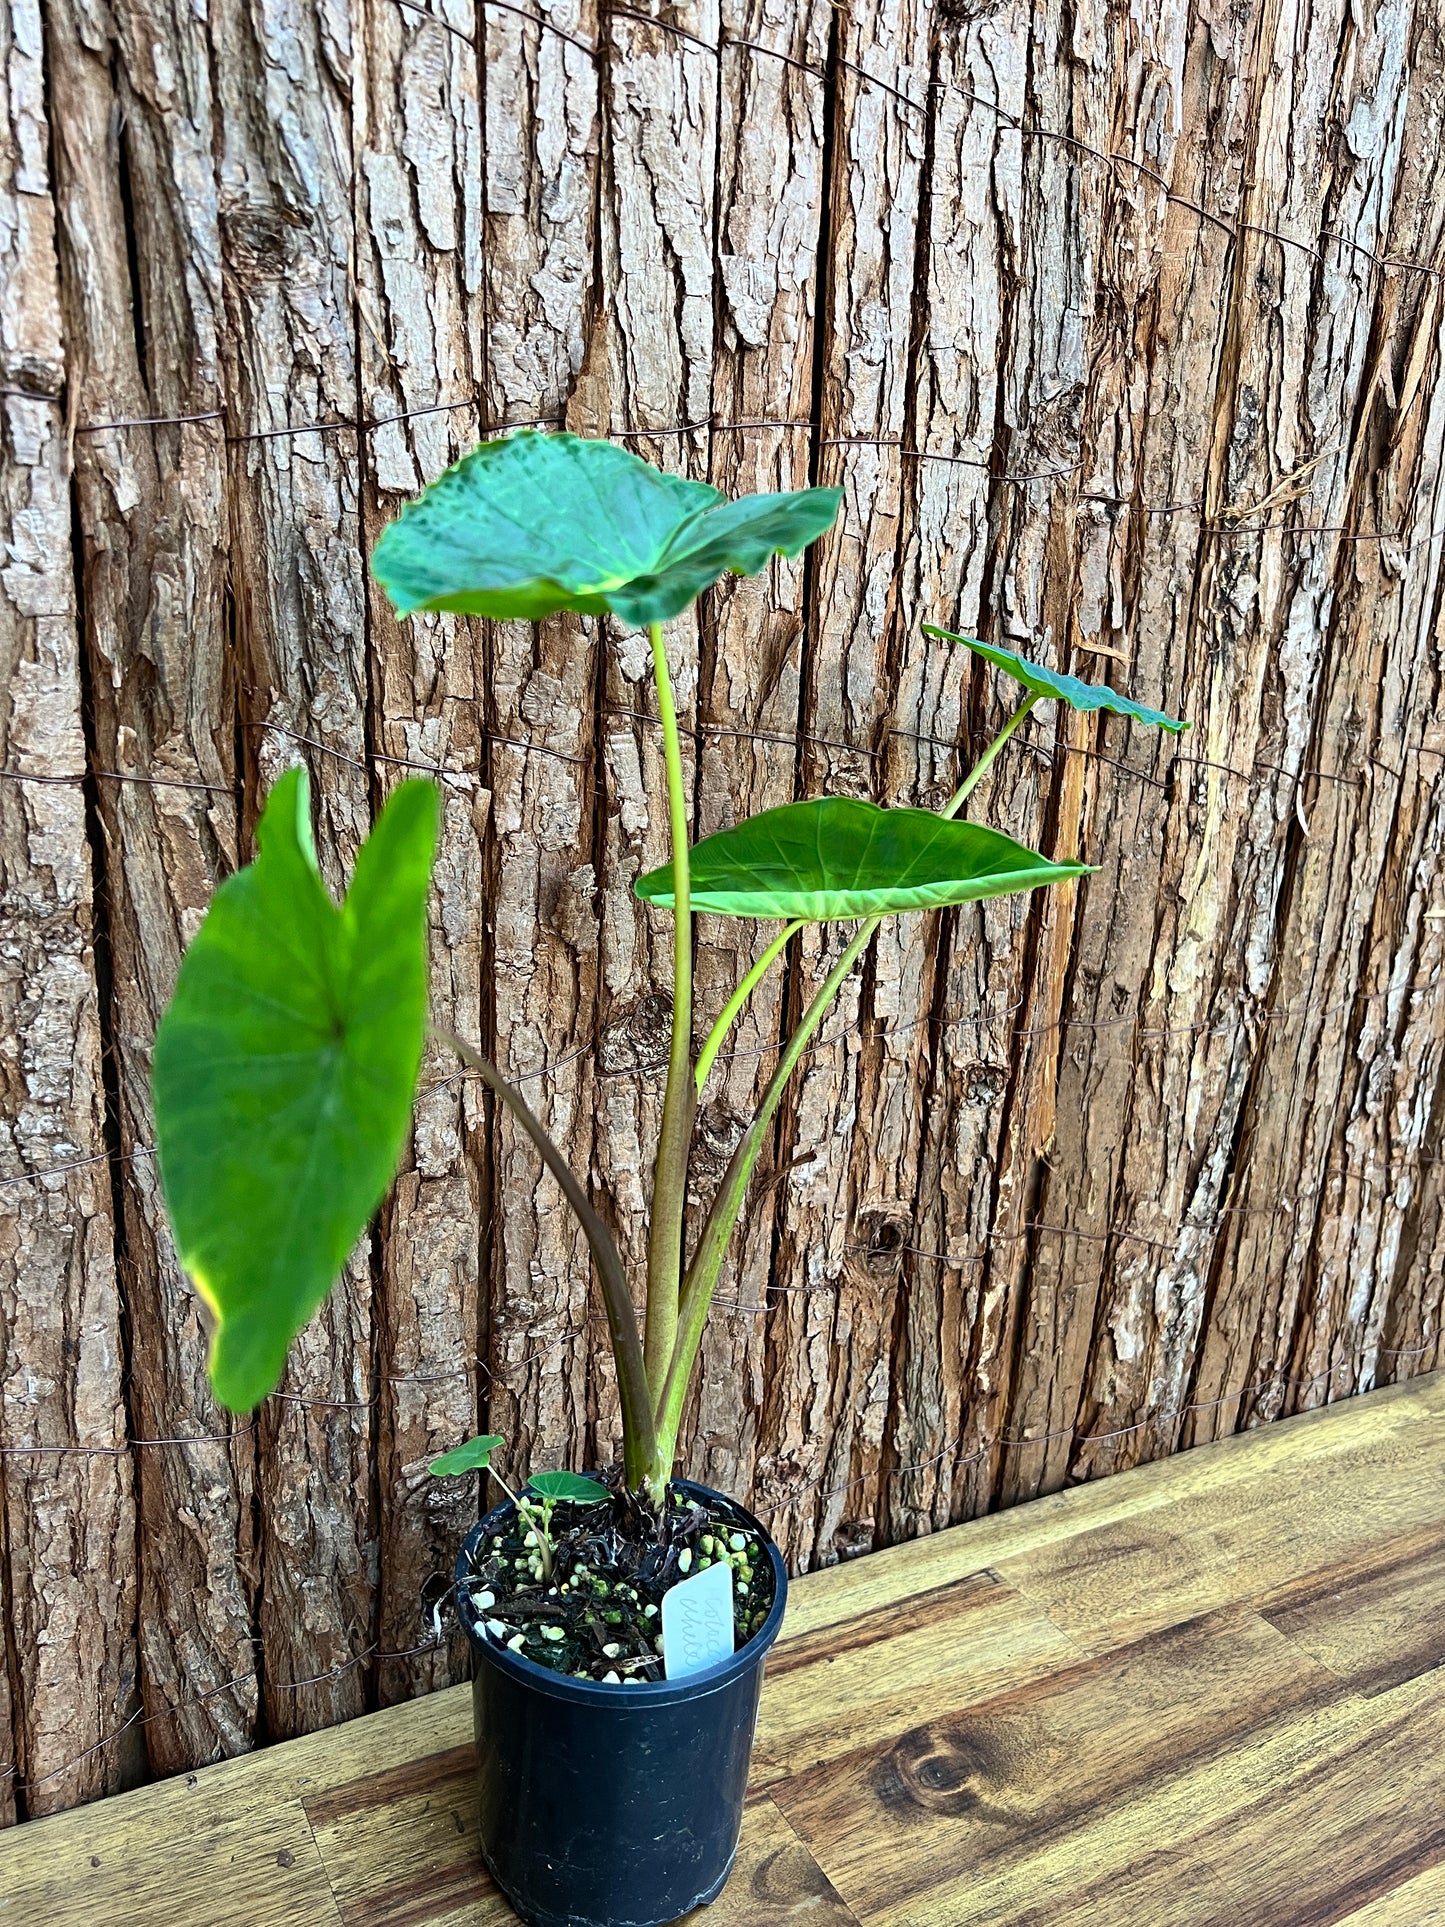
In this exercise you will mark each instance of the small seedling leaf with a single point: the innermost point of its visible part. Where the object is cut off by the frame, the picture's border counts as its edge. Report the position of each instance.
(535, 523)
(284, 1073)
(474, 1456)
(838, 857)
(1052, 682)
(567, 1485)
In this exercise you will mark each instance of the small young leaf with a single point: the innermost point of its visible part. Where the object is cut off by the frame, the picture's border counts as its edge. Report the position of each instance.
(533, 523)
(1052, 682)
(567, 1485)
(284, 1072)
(837, 857)
(474, 1456)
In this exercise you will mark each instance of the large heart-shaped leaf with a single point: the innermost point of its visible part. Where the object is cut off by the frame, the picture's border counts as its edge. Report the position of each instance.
(284, 1073)
(1052, 682)
(837, 857)
(535, 523)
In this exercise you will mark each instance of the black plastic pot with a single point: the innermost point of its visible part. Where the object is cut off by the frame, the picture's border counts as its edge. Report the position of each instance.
(613, 1806)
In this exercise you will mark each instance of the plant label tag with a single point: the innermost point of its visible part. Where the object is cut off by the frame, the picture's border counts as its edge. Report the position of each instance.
(697, 1622)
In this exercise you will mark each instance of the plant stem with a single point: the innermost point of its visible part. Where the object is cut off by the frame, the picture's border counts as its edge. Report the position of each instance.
(707, 1260)
(543, 1529)
(702, 1273)
(638, 1432)
(669, 1184)
(985, 762)
(739, 997)
(503, 1484)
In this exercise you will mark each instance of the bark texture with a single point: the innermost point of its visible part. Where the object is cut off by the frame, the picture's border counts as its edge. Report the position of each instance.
(150, 507)
(69, 1488)
(1123, 333)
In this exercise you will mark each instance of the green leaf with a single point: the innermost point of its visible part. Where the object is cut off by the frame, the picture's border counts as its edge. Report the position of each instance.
(284, 1073)
(836, 857)
(1051, 682)
(474, 1456)
(535, 522)
(567, 1485)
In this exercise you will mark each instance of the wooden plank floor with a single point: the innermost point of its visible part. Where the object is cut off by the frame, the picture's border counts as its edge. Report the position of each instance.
(1206, 1692)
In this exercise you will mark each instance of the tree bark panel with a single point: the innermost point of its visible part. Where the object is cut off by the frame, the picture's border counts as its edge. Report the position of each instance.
(68, 1488)
(829, 1336)
(419, 306)
(1122, 334)
(769, 216)
(547, 355)
(152, 511)
(660, 162)
(286, 105)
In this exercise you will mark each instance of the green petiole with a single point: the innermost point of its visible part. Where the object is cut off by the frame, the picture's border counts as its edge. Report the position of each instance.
(740, 996)
(669, 1192)
(702, 1273)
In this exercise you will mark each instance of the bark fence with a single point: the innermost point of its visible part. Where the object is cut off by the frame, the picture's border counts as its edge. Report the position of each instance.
(1122, 332)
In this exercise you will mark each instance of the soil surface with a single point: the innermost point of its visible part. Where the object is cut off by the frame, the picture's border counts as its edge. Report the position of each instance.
(588, 1601)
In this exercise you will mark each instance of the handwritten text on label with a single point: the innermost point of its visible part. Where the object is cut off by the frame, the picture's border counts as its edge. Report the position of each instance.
(697, 1622)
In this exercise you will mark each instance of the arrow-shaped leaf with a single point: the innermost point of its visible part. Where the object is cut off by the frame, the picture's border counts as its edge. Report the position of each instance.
(1052, 682)
(533, 523)
(284, 1073)
(837, 857)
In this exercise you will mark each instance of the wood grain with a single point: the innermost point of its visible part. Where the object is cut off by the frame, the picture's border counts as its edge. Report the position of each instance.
(955, 1646)
(1240, 1473)
(402, 1851)
(1415, 1903)
(1377, 1617)
(262, 1864)
(967, 1796)
(1235, 1536)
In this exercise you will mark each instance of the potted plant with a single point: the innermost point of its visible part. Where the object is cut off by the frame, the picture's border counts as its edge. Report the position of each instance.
(619, 1623)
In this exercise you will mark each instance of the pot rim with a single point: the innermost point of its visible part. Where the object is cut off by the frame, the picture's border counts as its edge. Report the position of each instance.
(596, 1692)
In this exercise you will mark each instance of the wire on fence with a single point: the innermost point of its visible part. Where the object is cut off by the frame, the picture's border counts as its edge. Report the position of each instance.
(872, 1253)
(1003, 1441)
(1206, 1027)
(1238, 524)
(1023, 742)
(1232, 226)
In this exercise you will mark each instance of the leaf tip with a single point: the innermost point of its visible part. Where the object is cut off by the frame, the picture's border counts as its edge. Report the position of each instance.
(287, 814)
(239, 1379)
(656, 888)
